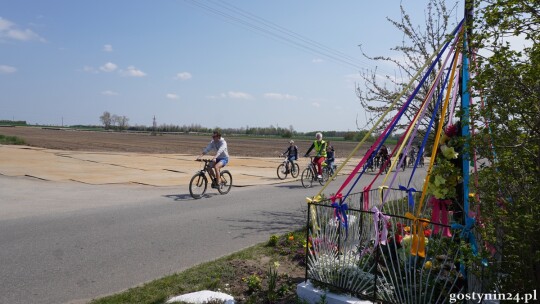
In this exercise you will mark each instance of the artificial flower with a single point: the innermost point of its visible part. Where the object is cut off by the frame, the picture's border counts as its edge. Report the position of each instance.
(449, 152)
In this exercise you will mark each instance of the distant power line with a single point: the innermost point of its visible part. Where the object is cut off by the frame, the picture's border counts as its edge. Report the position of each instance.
(259, 25)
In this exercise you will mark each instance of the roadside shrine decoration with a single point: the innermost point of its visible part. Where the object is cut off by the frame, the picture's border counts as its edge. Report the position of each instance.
(401, 242)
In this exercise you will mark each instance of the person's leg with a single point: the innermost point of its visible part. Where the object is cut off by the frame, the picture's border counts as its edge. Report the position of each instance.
(291, 164)
(319, 161)
(218, 166)
(212, 170)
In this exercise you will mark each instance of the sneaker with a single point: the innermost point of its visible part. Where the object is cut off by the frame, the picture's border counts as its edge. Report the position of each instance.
(214, 185)
(319, 176)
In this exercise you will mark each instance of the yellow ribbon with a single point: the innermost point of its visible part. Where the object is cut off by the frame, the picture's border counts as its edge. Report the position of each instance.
(381, 192)
(418, 238)
(313, 213)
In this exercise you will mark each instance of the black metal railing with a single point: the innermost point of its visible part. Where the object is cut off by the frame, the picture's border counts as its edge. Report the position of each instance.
(384, 254)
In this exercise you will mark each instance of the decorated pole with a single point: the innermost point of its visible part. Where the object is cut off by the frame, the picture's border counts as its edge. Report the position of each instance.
(465, 102)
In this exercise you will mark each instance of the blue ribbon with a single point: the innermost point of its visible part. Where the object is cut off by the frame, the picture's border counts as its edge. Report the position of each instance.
(341, 215)
(467, 235)
(411, 196)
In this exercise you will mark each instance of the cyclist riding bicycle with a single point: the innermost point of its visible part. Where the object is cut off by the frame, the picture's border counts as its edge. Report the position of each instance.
(330, 155)
(383, 152)
(320, 147)
(221, 158)
(292, 154)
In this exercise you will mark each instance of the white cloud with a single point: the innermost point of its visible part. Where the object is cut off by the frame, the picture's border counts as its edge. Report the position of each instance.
(108, 67)
(89, 69)
(232, 95)
(317, 60)
(9, 30)
(183, 76)
(133, 72)
(172, 96)
(316, 104)
(110, 93)
(279, 96)
(107, 48)
(6, 69)
(238, 95)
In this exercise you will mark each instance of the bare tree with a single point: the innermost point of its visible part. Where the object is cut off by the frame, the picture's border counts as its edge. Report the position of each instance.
(106, 120)
(120, 121)
(418, 45)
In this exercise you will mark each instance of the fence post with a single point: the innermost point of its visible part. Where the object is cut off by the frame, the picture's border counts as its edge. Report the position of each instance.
(307, 239)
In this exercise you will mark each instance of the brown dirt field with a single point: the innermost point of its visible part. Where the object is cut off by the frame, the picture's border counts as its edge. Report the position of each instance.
(73, 140)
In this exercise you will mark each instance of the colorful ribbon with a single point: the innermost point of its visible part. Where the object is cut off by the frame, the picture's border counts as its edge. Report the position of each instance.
(378, 215)
(418, 237)
(467, 235)
(439, 215)
(381, 189)
(341, 214)
(411, 196)
(366, 197)
(313, 218)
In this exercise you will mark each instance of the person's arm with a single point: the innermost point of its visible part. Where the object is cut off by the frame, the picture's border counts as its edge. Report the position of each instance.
(309, 150)
(206, 150)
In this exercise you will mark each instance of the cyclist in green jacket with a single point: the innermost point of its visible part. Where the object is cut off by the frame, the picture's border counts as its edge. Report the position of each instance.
(320, 147)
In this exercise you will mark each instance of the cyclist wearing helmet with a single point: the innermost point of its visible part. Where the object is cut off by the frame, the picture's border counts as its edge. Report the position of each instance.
(292, 154)
(320, 147)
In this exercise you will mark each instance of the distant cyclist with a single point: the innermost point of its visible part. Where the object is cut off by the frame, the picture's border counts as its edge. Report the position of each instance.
(292, 154)
(320, 147)
(330, 156)
(220, 160)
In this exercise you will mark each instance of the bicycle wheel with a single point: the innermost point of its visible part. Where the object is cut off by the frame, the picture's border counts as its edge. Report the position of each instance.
(295, 170)
(325, 175)
(307, 178)
(198, 185)
(282, 171)
(226, 182)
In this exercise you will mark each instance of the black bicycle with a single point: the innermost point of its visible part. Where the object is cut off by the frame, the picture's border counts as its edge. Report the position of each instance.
(199, 181)
(288, 167)
(309, 175)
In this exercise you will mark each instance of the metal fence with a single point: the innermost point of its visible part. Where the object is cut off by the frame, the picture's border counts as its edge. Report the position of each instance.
(383, 255)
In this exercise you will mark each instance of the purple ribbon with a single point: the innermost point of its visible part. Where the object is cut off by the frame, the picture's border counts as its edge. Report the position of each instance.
(378, 215)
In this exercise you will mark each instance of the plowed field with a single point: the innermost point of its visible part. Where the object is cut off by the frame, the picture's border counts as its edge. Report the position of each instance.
(73, 140)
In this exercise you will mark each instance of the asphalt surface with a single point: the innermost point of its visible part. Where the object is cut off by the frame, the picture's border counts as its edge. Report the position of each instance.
(69, 242)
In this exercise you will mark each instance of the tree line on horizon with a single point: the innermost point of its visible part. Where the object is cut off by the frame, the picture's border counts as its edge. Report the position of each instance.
(115, 122)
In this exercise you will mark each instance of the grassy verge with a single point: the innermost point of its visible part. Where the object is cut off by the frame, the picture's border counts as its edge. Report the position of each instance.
(11, 140)
(264, 273)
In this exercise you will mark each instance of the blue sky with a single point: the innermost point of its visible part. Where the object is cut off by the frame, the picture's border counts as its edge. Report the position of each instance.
(65, 61)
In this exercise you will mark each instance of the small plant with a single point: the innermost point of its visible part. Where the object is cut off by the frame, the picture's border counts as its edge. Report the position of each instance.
(272, 242)
(254, 283)
(323, 300)
(272, 275)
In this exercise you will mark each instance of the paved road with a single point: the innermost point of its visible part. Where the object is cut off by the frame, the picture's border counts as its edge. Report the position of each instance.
(70, 242)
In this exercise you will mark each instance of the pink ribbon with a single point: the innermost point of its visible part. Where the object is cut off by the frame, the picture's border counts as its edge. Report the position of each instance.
(377, 215)
(439, 215)
(366, 198)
